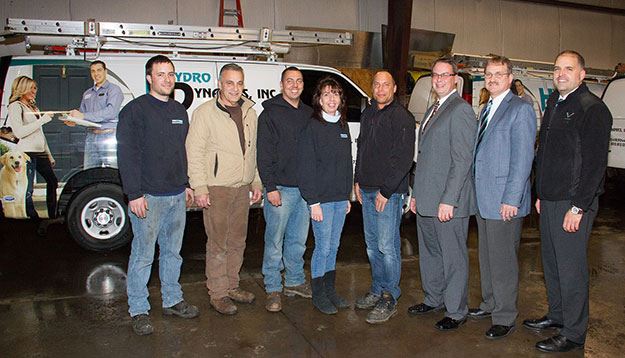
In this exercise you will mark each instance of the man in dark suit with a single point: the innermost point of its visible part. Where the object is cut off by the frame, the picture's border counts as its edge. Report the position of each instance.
(571, 161)
(504, 151)
(442, 198)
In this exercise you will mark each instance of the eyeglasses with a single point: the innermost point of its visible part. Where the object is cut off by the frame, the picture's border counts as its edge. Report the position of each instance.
(497, 75)
(442, 76)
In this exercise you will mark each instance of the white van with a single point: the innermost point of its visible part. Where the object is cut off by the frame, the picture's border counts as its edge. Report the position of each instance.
(614, 98)
(90, 199)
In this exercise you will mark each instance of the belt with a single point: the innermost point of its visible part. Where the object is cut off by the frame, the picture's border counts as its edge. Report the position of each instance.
(102, 131)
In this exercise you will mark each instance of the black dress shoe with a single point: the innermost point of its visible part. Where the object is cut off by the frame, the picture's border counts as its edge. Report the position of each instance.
(540, 324)
(557, 343)
(448, 324)
(422, 308)
(499, 331)
(478, 313)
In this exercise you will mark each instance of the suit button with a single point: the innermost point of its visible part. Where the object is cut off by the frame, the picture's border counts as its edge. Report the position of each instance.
(419, 152)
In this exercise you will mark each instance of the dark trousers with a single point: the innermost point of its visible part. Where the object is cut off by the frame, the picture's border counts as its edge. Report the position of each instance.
(499, 269)
(566, 267)
(41, 163)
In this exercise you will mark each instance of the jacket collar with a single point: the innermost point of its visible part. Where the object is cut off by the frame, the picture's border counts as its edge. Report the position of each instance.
(503, 106)
(575, 94)
(448, 101)
(452, 97)
(244, 102)
(105, 85)
(374, 103)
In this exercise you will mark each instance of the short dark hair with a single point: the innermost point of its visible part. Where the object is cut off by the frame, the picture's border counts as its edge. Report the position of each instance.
(230, 67)
(97, 62)
(499, 60)
(290, 68)
(335, 85)
(448, 60)
(580, 58)
(154, 60)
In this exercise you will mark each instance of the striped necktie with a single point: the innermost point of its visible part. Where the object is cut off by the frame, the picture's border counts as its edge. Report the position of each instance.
(483, 122)
(429, 119)
(560, 100)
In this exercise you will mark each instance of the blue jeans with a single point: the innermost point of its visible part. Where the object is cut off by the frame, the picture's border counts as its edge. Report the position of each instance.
(100, 150)
(327, 237)
(383, 242)
(286, 232)
(164, 224)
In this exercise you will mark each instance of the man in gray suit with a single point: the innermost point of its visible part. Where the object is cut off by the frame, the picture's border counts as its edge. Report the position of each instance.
(442, 198)
(504, 151)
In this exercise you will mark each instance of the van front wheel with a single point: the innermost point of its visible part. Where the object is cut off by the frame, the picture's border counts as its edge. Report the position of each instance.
(97, 218)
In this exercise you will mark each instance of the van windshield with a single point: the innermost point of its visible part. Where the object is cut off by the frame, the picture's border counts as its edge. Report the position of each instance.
(353, 96)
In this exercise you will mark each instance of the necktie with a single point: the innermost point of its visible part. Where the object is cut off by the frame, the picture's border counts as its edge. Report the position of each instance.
(483, 122)
(429, 119)
(553, 112)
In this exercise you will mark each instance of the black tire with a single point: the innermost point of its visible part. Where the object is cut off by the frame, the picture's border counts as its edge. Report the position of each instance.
(97, 218)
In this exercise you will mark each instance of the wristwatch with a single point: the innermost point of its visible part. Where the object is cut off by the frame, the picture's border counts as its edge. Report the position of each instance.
(575, 210)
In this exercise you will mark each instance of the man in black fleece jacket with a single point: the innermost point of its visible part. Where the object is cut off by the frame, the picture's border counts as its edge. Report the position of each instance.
(153, 166)
(285, 211)
(385, 154)
(571, 161)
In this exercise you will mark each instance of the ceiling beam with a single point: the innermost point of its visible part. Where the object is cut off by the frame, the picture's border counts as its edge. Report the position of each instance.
(578, 6)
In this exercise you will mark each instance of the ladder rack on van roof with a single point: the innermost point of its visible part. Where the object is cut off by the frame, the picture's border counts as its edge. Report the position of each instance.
(476, 63)
(177, 39)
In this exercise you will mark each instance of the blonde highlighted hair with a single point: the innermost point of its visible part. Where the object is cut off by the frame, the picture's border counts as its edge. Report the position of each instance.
(20, 86)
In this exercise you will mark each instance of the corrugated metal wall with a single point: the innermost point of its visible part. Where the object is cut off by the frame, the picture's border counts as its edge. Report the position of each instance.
(515, 29)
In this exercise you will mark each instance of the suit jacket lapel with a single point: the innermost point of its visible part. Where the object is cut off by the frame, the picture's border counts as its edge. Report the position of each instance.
(441, 108)
(503, 106)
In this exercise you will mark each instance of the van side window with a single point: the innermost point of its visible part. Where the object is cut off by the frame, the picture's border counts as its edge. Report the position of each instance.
(353, 96)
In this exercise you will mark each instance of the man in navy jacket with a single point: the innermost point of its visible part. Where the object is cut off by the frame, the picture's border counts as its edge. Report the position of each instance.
(153, 167)
(570, 169)
(383, 161)
(286, 213)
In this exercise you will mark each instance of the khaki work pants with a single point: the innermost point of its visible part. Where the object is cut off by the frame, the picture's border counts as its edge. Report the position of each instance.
(225, 222)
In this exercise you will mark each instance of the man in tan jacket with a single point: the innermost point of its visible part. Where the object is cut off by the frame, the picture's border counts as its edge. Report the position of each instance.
(221, 150)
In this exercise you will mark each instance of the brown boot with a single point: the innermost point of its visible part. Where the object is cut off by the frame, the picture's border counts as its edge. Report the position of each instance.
(241, 296)
(224, 305)
(273, 302)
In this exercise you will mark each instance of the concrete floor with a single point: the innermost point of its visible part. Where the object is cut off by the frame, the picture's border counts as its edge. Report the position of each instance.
(57, 300)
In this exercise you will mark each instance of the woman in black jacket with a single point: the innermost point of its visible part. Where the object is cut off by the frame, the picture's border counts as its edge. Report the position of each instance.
(325, 179)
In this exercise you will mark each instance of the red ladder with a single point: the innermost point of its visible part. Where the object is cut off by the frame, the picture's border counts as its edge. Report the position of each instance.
(236, 13)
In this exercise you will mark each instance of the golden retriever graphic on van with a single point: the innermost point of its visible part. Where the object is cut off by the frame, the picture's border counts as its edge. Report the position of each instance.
(13, 183)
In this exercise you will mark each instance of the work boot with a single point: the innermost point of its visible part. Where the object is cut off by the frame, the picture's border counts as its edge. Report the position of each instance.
(182, 309)
(328, 281)
(224, 305)
(274, 303)
(302, 290)
(384, 309)
(241, 296)
(320, 299)
(367, 301)
(141, 324)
